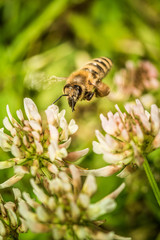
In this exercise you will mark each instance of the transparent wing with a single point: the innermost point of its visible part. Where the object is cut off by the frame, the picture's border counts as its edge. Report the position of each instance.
(39, 80)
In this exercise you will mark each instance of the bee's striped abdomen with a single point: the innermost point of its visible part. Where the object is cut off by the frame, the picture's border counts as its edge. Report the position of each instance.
(98, 67)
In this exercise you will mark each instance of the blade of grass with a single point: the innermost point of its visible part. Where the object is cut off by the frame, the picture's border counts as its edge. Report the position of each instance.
(35, 29)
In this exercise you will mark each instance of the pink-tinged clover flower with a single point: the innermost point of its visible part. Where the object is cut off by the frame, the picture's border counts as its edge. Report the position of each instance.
(135, 80)
(38, 146)
(64, 208)
(129, 136)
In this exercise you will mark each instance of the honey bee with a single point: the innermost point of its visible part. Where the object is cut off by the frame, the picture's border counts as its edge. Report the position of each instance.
(86, 82)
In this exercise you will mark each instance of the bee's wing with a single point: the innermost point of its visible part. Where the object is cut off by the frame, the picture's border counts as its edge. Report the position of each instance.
(56, 79)
(38, 80)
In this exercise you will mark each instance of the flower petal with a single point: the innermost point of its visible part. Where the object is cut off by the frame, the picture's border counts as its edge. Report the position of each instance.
(16, 151)
(39, 192)
(39, 147)
(52, 168)
(125, 172)
(6, 164)
(156, 141)
(11, 181)
(139, 107)
(74, 156)
(116, 192)
(65, 144)
(64, 126)
(72, 127)
(31, 110)
(139, 133)
(17, 193)
(13, 121)
(112, 143)
(119, 158)
(103, 142)
(52, 114)
(5, 141)
(155, 119)
(122, 116)
(101, 172)
(52, 151)
(54, 135)
(20, 115)
(89, 186)
(145, 122)
(97, 209)
(23, 227)
(42, 214)
(12, 217)
(7, 124)
(36, 126)
(97, 148)
(37, 227)
(2, 230)
(109, 126)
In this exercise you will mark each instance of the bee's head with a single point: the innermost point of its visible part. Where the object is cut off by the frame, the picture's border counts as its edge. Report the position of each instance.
(74, 93)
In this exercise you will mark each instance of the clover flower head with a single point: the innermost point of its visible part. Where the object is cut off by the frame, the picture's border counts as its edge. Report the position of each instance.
(38, 146)
(11, 224)
(64, 207)
(134, 80)
(129, 135)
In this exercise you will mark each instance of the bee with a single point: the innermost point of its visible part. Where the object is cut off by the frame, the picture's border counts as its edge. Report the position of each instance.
(86, 82)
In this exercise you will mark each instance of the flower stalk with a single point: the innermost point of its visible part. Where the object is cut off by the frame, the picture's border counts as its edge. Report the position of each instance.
(151, 180)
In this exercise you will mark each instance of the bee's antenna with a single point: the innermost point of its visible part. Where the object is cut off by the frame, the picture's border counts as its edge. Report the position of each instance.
(60, 97)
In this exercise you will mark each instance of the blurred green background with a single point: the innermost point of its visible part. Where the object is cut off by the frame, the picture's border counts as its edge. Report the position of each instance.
(55, 38)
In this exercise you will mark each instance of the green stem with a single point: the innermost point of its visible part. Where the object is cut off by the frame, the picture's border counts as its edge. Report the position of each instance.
(152, 180)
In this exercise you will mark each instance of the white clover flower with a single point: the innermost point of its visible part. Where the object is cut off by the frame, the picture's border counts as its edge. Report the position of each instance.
(129, 136)
(40, 146)
(64, 208)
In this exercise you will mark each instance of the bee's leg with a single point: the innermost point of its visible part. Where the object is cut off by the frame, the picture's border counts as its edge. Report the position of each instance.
(88, 96)
(101, 89)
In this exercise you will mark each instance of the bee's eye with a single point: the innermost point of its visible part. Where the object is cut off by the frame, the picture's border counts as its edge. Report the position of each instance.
(78, 89)
(67, 86)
